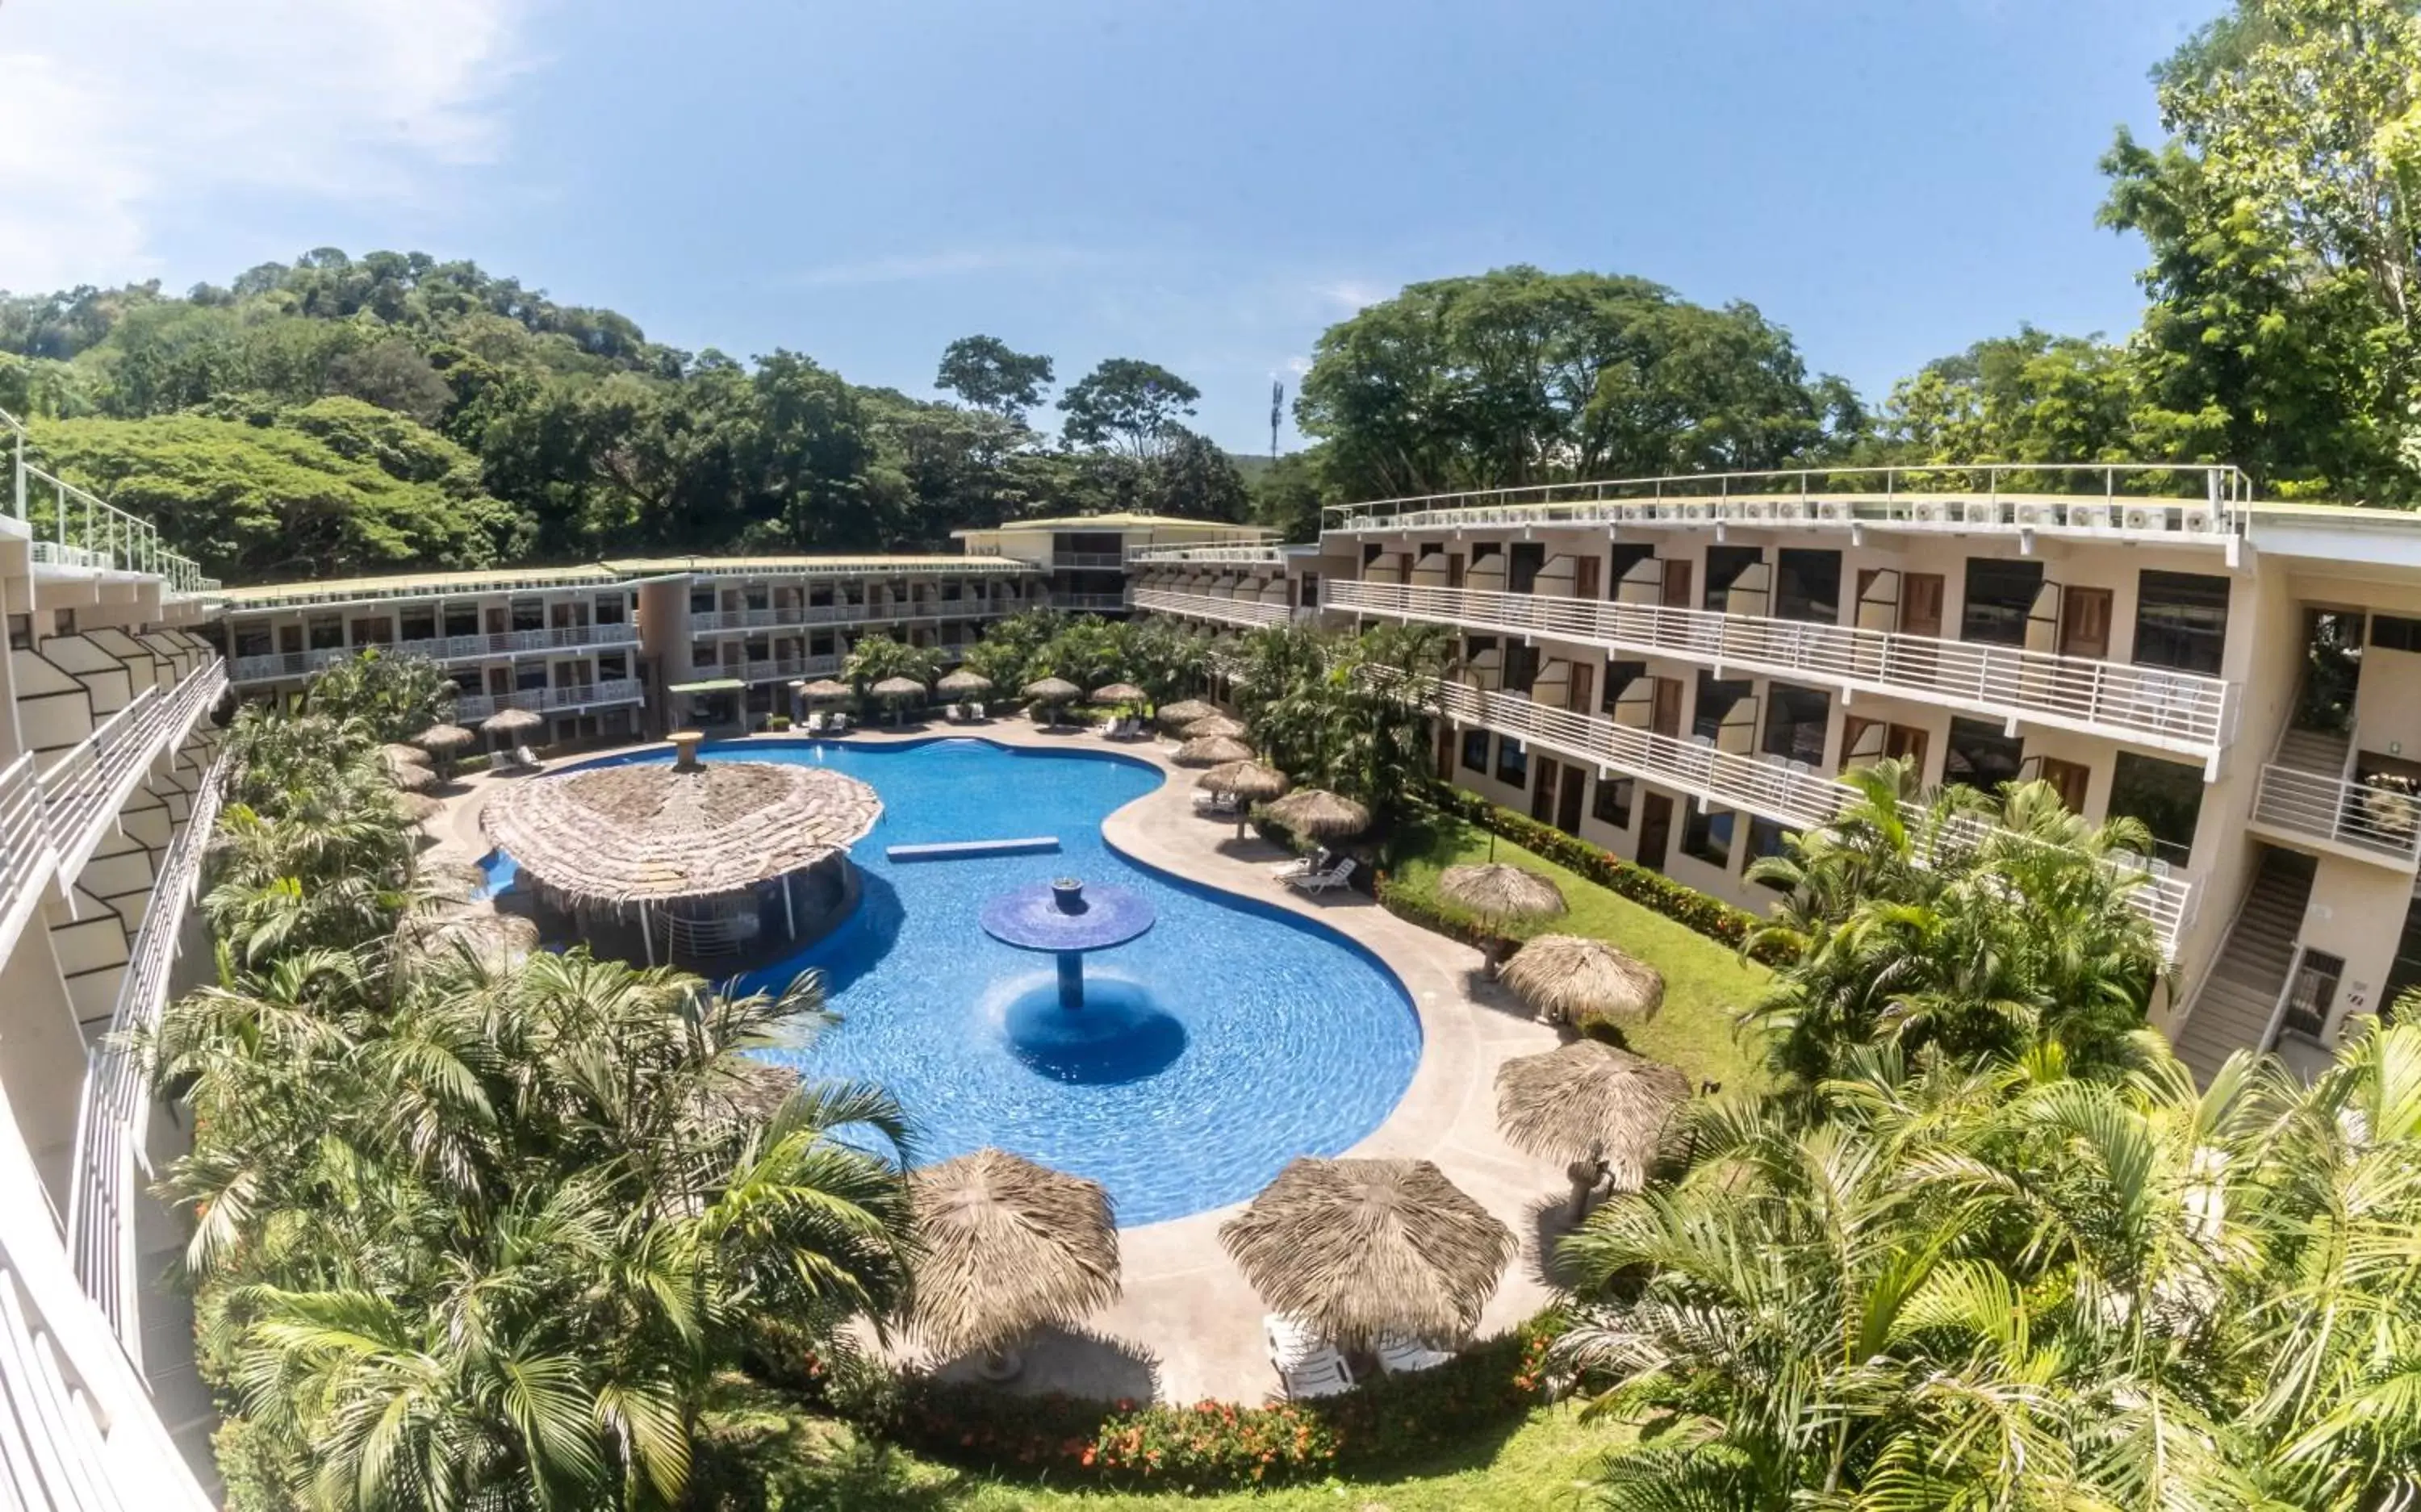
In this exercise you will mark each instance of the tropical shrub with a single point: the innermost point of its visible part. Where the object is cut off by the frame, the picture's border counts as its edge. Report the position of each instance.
(397, 696)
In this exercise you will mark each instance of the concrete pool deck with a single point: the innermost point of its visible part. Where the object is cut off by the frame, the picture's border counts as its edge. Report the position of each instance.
(1188, 1325)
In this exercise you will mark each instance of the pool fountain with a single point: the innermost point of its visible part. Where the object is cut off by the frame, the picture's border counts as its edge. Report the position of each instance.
(1059, 918)
(1116, 1033)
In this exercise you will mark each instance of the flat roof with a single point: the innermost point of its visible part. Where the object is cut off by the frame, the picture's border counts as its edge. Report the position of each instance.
(1115, 522)
(835, 565)
(416, 586)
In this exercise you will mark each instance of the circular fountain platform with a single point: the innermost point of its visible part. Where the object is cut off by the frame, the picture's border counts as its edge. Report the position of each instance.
(1064, 919)
(1119, 1035)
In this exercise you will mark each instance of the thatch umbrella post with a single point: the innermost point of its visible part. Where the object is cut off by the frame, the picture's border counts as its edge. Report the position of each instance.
(961, 685)
(1603, 1109)
(1499, 895)
(1006, 1247)
(1247, 782)
(1362, 1250)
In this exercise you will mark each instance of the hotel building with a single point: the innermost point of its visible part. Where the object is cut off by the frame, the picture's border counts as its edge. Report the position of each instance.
(1089, 557)
(1679, 670)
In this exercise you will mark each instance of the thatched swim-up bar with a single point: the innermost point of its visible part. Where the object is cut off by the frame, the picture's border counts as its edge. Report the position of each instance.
(689, 864)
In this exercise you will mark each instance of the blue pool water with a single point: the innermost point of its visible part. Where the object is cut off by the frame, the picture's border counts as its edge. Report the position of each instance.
(1228, 1039)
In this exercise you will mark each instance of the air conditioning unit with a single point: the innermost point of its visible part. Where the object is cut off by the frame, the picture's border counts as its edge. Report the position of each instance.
(1697, 510)
(2037, 515)
(1632, 513)
(1982, 512)
(1834, 509)
(1790, 509)
(2143, 517)
(1929, 512)
(2197, 520)
(2088, 517)
(1672, 509)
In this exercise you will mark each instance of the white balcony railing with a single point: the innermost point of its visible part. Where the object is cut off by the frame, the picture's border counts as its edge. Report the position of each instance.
(83, 790)
(1793, 795)
(776, 668)
(72, 528)
(1089, 560)
(2178, 502)
(470, 708)
(1266, 553)
(440, 649)
(963, 607)
(1212, 607)
(114, 1117)
(25, 855)
(1094, 602)
(2372, 821)
(2150, 705)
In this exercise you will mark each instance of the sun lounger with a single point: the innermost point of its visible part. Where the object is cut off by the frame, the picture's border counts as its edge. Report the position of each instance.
(1405, 1357)
(525, 757)
(839, 726)
(1306, 1365)
(1321, 881)
(814, 725)
(1214, 803)
(976, 712)
(1319, 860)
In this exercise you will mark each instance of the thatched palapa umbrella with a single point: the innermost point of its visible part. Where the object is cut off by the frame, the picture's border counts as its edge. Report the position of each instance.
(399, 754)
(1601, 1108)
(1320, 815)
(823, 690)
(1499, 895)
(1569, 977)
(455, 881)
(1051, 692)
(473, 929)
(959, 684)
(411, 779)
(1212, 751)
(1009, 1247)
(1247, 782)
(894, 690)
(442, 741)
(1176, 716)
(1362, 1250)
(512, 721)
(1120, 692)
(1218, 726)
(417, 808)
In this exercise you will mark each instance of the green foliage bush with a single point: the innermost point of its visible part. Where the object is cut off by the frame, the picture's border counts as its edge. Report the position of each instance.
(1210, 1445)
(1711, 917)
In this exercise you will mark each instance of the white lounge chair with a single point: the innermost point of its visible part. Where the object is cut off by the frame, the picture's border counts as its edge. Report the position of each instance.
(1320, 860)
(525, 759)
(1321, 881)
(838, 724)
(1214, 803)
(1405, 1357)
(1306, 1365)
(815, 723)
(976, 712)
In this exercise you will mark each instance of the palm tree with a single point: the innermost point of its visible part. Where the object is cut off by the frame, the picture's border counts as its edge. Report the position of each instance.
(394, 695)
(877, 657)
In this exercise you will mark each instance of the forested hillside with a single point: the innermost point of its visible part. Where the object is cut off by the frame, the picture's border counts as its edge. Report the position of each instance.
(347, 414)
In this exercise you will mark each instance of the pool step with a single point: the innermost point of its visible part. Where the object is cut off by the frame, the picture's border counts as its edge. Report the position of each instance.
(969, 849)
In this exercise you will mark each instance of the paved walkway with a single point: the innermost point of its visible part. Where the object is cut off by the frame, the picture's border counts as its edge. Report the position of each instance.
(1188, 1325)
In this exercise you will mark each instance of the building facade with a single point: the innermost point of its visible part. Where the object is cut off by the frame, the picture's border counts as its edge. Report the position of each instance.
(1680, 670)
(1088, 558)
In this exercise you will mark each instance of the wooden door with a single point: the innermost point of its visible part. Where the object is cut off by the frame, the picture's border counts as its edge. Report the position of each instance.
(1665, 718)
(1584, 686)
(1454, 569)
(1920, 604)
(2084, 623)
(2071, 779)
(1655, 830)
(1542, 788)
(1569, 797)
(1586, 573)
(1676, 584)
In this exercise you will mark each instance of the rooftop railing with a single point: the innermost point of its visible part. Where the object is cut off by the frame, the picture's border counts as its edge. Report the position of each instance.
(469, 706)
(1096, 603)
(113, 1119)
(1212, 607)
(74, 528)
(2126, 501)
(2175, 711)
(1270, 554)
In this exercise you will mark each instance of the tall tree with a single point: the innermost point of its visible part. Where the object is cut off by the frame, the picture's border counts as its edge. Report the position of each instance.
(1127, 405)
(985, 373)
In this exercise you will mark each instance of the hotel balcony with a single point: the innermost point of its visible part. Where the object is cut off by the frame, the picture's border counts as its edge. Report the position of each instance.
(470, 708)
(83, 789)
(2340, 815)
(1096, 603)
(849, 614)
(1090, 560)
(2179, 711)
(1789, 794)
(441, 648)
(1214, 607)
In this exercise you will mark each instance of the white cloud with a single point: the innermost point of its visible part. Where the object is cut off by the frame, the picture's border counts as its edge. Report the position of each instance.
(114, 110)
(1352, 293)
(958, 262)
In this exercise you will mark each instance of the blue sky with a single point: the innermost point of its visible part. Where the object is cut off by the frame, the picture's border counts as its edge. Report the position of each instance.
(1206, 184)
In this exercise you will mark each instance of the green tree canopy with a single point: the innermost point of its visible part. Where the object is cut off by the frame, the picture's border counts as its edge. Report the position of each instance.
(987, 375)
(1127, 405)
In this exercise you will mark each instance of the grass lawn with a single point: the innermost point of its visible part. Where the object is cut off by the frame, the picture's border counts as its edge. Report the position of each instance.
(1541, 1465)
(1705, 982)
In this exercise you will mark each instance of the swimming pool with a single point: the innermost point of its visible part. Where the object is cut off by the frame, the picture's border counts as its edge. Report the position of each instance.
(1250, 1035)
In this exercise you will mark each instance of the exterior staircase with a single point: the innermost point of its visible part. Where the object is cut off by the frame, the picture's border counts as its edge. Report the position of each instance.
(2314, 750)
(2232, 1011)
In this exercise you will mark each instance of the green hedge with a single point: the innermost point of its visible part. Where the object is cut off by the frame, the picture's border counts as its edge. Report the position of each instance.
(1372, 1429)
(1687, 906)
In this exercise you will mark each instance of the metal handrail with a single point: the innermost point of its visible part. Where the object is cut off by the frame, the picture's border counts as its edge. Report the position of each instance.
(1872, 495)
(441, 648)
(86, 530)
(1265, 555)
(26, 852)
(542, 700)
(2178, 711)
(1211, 606)
(83, 791)
(113, 1119)
(2374, 820)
